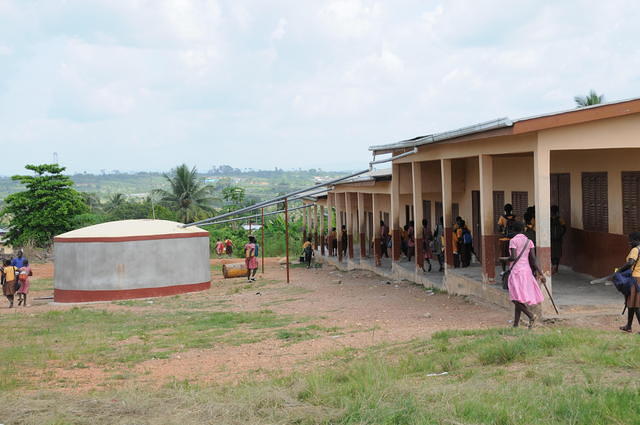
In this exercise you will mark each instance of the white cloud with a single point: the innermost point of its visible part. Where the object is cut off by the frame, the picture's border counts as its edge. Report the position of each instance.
(351, 18)
(280, 30)
(227, 79)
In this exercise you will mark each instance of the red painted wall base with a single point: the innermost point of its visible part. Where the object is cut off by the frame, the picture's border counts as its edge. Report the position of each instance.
(76, 296)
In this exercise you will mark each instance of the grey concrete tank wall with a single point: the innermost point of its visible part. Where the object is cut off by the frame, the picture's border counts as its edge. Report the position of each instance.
(130, 265)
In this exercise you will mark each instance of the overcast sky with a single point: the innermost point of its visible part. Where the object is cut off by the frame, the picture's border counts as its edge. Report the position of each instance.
(145, 85)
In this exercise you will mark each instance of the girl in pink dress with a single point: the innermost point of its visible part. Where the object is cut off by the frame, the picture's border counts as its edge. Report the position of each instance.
(24, 278)
(250, 259)
(523, 287)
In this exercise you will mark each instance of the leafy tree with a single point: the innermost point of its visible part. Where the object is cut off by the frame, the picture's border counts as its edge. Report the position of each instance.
(234, 195)
(47, 208)
(91, 199)
(188, 196)
(591, 99)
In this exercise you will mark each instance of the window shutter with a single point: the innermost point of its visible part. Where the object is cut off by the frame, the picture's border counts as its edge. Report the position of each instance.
(631, 201)
(595, 202)
(520, 202)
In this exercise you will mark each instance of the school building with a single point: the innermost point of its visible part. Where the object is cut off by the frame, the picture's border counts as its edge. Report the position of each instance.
(586, 161)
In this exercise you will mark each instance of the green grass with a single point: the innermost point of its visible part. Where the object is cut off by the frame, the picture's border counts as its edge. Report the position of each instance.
(295, 335)
(88, 336)
(39, 284)
(496, 376)
(185, 302)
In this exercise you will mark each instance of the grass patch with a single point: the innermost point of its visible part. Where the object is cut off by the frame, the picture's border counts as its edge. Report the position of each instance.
(543, 382)
(295, 335)
(280, 302)
(183, 302)
(41, 284)
(88, 336)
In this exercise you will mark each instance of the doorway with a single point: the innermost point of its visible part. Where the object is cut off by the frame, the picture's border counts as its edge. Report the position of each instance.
(561, 195)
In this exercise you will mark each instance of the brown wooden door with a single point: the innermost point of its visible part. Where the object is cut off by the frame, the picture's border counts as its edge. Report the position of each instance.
(370, 233)
(426, 213)
(498, 208)
(475, 211)
(561, 195)
(439, 214)
(455, 212)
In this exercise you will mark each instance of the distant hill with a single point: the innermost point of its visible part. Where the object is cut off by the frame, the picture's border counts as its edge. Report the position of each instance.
(258, 184)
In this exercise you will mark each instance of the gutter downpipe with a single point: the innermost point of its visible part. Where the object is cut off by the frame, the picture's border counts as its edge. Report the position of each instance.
(402, 155)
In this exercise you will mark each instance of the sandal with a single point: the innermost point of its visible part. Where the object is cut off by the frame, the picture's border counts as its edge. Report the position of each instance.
(532, 321)
(625, 329)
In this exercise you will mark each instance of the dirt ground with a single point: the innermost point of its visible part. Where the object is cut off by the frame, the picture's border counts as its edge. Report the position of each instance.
(368, 310)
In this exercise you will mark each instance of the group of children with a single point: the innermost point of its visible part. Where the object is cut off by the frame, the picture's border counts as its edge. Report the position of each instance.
(14, 278)
(225, 247)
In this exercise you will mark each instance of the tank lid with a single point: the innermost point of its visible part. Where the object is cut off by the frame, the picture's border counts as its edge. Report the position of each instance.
(131, 230)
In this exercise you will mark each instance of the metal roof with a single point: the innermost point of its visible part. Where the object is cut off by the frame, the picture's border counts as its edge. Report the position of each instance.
(479, 128)
(370, 176)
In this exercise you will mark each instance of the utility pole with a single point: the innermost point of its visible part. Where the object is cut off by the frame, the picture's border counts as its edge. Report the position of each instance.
(286, 235)
(262, 229)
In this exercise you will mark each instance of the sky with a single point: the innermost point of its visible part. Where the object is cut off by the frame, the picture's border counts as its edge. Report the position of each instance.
(145, 85)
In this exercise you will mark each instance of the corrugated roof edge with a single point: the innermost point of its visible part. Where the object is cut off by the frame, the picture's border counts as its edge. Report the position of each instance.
(432, 138)
(481, 127)
(584, 108)
(370, 176)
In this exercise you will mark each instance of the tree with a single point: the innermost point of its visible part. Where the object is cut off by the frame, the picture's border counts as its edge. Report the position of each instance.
(187, 195)
(234, 195)
(591, 99)
(47, 208)
(116, 200)
(91, 199)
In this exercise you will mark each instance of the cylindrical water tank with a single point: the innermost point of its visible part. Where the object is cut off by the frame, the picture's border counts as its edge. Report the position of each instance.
(130, 259)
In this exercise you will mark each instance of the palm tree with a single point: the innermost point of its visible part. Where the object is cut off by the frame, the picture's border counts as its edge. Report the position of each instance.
(115, 201)
(591, 99)
(187, 195)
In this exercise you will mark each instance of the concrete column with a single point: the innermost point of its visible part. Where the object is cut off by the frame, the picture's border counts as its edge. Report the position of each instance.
(486, 219)
(350, 225)
(331, 199)
(542, 170)
(362, 226)
(305, 223)
(375, 204)
(395, 211)
(315, 226)
(416, 168)
(447, 210)
(339, 223)
(321, 222)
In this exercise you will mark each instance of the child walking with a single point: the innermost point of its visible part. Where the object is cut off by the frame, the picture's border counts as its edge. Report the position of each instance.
(24, 279)
(8, 278)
